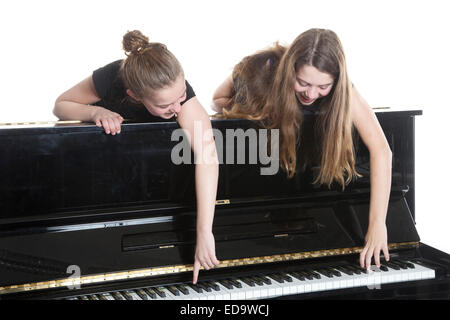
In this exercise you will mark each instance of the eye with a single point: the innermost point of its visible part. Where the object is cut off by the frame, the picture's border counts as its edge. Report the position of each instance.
(324, 87)
(302, 84)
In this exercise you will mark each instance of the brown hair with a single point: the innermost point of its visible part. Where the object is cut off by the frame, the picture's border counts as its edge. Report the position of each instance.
(252, 78)
(148, 64)
(323, 50)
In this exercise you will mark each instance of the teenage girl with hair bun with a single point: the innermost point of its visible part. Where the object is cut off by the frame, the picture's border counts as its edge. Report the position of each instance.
(149, 85)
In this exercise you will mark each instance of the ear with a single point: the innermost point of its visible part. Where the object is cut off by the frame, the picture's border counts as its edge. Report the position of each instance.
(268, 64)
(131, 94)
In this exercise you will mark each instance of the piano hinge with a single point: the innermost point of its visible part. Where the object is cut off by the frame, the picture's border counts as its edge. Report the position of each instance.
(281, 235)
(167, 247)
(220, 202)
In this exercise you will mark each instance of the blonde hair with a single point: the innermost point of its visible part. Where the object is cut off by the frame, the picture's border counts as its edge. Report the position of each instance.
(323, 50)
(148, 64)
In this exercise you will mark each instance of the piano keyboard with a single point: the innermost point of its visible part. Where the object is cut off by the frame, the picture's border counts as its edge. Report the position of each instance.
(277, 284)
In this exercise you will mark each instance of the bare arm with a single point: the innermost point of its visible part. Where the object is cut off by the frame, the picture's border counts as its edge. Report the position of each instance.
(222, 95)
(195, 121)
(371, 133)
(74, 105)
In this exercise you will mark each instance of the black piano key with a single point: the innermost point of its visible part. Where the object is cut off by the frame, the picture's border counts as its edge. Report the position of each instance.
(204, 286)
(173, 290)
(276, 277)
(195, 287)
(383, 268)
(150, 292)
(325, 272)
(227, 284)
(117, 296)
(127, 295)
(248, 281)
(160, 292)
(257, 280)
(298, 276)
(264, 279)
(400, 264)
(359, 269)
(182, 288)
(308, 274)
(409, 264)
(101, 296)
(355, 269)
(92, 297)
(334, 272)
(345, 270)
(213, 285)
(141, 293)
(392, 265)
(236, 283)
(285, 277)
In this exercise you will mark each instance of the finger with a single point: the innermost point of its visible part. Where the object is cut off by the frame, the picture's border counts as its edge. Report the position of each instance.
(112, 126)
(369, 258)
(98, 123)
(105, 125)
(208, 264)
(118, 122)
(376, 256)
(196, 271)
(215, 261)
(362, 257)
(386, 252)
(205, 264)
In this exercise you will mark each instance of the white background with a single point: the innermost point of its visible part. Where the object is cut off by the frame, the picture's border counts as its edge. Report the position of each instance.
(397, 54)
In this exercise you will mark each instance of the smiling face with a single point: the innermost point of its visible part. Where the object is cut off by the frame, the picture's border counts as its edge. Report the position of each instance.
(164, 102)
(312, 84)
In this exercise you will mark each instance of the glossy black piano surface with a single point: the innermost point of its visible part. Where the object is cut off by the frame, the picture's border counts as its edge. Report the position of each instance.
(72, 195)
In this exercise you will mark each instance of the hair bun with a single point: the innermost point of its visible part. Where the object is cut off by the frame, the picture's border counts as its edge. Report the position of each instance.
(134, 42)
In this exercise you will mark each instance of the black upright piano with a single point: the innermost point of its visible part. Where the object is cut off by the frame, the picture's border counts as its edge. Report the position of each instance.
(90, 216)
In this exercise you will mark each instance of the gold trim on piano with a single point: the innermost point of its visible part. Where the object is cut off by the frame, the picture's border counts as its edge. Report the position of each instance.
(220, 202)
(39, 123)
(141, 273)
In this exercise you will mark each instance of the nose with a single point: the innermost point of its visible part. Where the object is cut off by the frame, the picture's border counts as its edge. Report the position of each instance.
(312, 93)
(176, 107)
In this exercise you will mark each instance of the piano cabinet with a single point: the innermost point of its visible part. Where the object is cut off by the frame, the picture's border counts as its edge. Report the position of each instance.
(89, 216)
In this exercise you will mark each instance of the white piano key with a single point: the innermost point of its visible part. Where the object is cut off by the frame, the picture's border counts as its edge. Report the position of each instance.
(224, 293)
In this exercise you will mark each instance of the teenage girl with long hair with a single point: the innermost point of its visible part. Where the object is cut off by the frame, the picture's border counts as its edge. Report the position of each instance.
(312, 75)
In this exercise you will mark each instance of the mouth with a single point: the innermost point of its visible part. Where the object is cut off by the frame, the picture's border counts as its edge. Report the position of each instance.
(305, 100)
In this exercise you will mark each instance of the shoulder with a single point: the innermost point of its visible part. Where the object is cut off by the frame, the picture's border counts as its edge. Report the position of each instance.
(193, 112)
(105, 77)
(107, 71)
(190, 93)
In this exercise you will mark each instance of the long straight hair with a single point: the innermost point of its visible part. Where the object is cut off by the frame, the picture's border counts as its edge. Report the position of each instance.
(321, 49)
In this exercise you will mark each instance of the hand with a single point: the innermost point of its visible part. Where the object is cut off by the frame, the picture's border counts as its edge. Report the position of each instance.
(205, 253)
(109, 120)
(376, 240)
